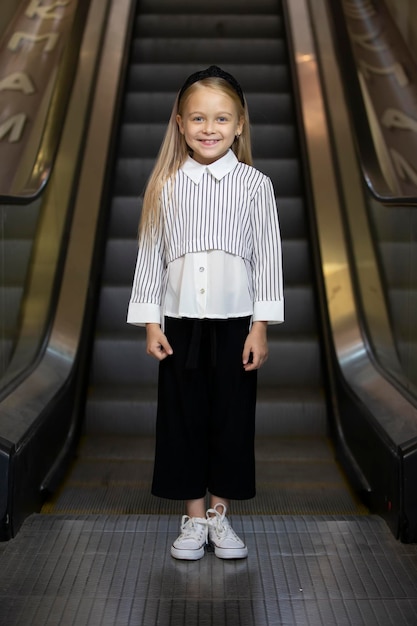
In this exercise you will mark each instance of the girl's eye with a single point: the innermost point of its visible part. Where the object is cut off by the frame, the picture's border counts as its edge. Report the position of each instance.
(222, 119)
(197, 118)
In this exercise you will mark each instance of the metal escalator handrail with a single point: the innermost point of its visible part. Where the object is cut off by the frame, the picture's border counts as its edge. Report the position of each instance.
(380, 83)
(38, 59)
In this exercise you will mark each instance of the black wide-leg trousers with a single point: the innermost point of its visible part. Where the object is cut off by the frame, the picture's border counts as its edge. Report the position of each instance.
(205, 426)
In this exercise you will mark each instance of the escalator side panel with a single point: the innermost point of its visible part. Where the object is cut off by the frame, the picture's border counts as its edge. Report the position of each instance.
(369, 402)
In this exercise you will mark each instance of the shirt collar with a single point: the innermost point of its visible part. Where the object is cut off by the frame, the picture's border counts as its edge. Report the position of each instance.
(218, 169)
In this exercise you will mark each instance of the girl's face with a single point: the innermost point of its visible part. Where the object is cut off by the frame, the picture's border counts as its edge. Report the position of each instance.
(209, 123)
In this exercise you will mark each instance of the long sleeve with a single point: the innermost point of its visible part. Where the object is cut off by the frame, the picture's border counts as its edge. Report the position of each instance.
(266, 260)
(148, 282)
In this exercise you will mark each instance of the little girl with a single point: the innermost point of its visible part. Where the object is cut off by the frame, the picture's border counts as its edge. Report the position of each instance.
(208, 280)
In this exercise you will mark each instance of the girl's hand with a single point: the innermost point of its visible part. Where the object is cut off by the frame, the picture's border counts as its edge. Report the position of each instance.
(255, 350)
(157, 344)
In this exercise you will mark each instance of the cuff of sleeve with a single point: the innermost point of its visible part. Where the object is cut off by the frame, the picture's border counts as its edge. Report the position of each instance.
(269, 311)
(141, 313)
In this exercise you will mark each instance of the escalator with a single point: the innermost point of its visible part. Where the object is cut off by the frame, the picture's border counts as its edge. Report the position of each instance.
(321, 396)
(306, 415)
(296, 466)
(327, 432)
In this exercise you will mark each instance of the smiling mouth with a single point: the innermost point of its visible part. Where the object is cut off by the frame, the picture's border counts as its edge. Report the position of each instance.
(209, 142)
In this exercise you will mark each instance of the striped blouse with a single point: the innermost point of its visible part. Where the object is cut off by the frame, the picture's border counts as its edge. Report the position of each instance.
(218, 251)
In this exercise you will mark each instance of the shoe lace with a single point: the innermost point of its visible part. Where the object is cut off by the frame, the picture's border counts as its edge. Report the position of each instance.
(217, 519)
(193, 527)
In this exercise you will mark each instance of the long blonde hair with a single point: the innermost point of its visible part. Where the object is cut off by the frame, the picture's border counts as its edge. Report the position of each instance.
(174, 150)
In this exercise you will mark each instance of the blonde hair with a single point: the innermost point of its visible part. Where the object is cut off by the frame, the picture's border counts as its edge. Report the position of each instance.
(174, 150)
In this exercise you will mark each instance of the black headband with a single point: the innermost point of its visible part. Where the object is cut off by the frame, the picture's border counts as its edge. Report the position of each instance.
(216, 72)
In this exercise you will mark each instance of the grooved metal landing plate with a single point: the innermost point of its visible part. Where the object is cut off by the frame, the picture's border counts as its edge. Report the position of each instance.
(117, 571)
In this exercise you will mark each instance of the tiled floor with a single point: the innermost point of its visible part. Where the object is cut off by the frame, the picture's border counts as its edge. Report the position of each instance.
(116, 571)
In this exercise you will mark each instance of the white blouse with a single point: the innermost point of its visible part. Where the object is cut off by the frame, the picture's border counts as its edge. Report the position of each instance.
(208, 284)
(211, 283)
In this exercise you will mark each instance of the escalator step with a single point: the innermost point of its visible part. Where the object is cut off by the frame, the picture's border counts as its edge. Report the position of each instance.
(208, 51)
(217, 7)
(284, 173)
(169, 77)
(132, 411)
(155, 107)
(216, 26)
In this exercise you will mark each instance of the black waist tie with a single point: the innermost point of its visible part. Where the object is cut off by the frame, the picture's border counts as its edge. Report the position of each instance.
(202, 329)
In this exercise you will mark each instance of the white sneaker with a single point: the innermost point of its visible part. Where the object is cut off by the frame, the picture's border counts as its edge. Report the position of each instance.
(190, 544)
(227, 545)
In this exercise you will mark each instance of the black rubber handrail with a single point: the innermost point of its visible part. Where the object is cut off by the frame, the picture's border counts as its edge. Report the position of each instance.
(380, 82)
(44, 41)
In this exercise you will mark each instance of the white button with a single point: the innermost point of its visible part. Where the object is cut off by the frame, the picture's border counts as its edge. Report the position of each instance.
(202, 291)
(201, 269)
